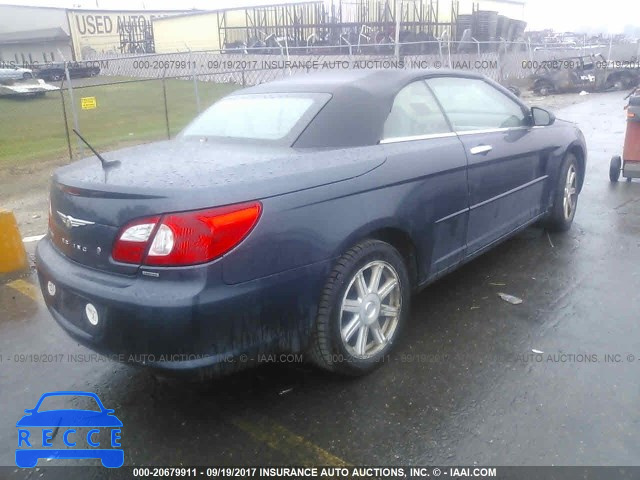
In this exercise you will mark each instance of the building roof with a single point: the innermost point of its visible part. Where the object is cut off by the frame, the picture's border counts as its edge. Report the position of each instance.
(88, 9)
(33, 36)
(41, 7)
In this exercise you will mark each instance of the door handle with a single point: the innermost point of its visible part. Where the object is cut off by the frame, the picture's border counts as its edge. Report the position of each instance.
(480, 149)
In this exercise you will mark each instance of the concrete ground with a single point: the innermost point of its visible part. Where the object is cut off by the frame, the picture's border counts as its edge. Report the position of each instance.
(464, 386)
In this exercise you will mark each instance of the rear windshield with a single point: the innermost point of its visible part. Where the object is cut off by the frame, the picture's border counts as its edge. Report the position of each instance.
(276, 118)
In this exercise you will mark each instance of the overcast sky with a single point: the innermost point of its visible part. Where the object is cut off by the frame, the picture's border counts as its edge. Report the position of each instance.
(610, 16)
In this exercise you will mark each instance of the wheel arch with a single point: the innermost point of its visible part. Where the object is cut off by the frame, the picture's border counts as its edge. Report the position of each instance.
(617, 75)
(581, 156)
(541, 82)
(395, 235)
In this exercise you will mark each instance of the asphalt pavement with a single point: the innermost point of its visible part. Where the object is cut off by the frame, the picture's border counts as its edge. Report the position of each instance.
(467, 384)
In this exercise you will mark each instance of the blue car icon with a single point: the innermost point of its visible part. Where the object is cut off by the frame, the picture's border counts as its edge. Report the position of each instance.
(31, 447)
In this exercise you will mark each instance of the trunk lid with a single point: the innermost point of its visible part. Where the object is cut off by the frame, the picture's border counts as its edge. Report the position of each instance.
(89, 205)
(81, 226)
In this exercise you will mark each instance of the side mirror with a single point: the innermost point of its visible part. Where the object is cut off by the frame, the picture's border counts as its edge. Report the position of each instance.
(542, 117)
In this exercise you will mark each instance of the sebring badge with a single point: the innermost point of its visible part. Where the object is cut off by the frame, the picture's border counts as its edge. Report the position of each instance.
(71, 222)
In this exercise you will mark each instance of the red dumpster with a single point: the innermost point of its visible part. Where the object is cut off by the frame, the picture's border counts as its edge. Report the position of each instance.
(629, 163)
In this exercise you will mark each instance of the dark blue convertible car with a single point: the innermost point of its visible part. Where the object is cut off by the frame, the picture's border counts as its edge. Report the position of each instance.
(299, 216)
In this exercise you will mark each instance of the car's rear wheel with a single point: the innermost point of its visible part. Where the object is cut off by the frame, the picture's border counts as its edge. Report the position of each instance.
(515, 90)
(622, 82)
(362, 310)
(565, 202)
(545, 89)
(614, 168)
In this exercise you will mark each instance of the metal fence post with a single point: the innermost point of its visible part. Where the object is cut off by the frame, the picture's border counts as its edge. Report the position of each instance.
(66, 125)
(398, 15)
(166, 108)
(530, 50)
(195, 81)
(73, 107)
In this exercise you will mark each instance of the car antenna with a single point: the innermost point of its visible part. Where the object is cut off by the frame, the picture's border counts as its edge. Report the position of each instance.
(105, 163)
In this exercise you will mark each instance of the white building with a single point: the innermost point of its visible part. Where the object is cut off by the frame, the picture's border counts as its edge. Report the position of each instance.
(30, 35)
(29, 47)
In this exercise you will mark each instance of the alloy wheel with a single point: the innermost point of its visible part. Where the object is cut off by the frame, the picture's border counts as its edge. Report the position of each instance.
(570, 193)
(370, 309)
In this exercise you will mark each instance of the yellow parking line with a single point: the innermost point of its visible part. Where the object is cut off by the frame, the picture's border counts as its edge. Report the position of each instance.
(25, 288)
(299, 450)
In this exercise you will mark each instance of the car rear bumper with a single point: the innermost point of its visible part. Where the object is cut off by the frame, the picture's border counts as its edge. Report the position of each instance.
(185, 319)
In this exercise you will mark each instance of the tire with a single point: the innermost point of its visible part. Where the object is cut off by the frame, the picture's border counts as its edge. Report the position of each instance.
(628, 81)
(545, 89)
(343, 343)
(614, 168)
(515, 90)
(622, 82)
(561, 217)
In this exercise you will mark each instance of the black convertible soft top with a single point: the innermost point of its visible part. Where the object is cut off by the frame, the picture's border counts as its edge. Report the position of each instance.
(361, 101)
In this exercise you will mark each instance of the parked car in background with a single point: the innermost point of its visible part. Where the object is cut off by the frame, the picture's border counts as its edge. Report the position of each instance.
(15, 73)
(54, 72)
(588, 72)
(299, 216)
(25, 88)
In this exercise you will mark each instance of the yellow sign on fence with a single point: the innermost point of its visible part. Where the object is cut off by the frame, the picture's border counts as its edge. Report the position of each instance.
(88, 103)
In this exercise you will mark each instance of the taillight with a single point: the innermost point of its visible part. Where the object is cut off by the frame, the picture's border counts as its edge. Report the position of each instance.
(131, 244)
(186, 238)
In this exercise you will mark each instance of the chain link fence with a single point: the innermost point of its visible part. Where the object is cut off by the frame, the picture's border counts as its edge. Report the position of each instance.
(141, 98)
(500, 61)
(126, 111)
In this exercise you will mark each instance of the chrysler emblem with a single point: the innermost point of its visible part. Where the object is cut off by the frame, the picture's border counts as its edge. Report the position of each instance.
(71, 222)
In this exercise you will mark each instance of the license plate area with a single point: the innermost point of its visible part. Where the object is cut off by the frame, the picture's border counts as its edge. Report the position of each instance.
(84, 313)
